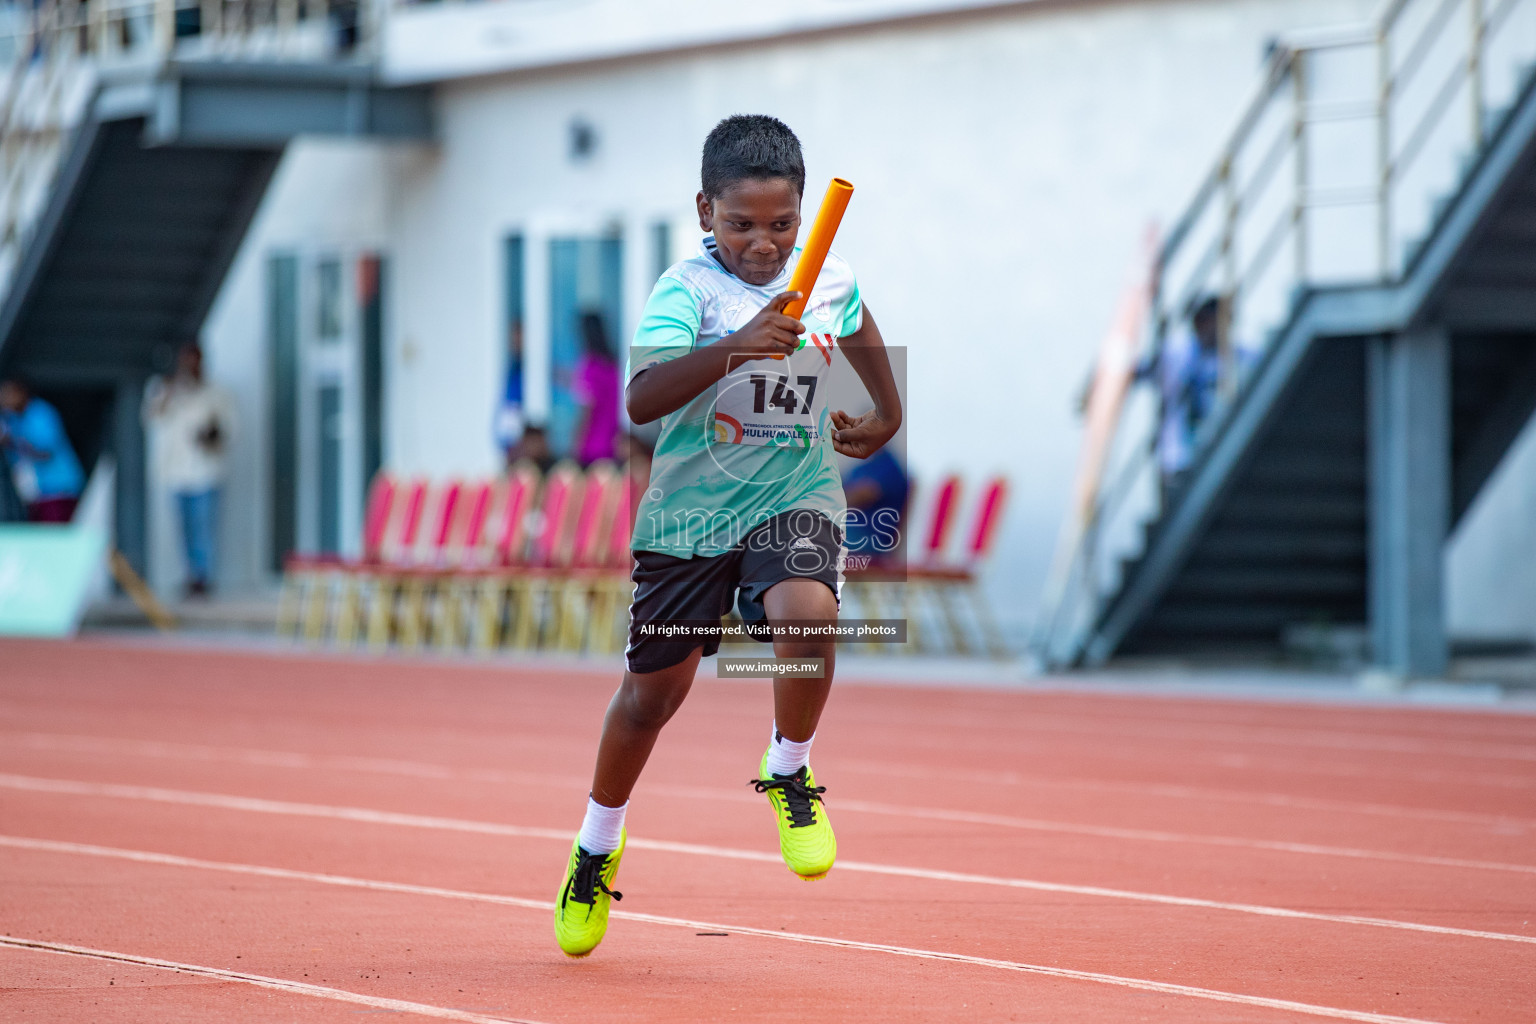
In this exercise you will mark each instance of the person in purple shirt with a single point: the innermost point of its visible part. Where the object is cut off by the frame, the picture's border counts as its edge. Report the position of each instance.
(596, 387)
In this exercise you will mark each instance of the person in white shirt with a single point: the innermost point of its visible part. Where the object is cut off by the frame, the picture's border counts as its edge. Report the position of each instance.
(194, 425)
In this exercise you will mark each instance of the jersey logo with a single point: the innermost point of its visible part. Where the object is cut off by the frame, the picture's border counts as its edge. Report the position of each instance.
(824, 343)
(727, 428)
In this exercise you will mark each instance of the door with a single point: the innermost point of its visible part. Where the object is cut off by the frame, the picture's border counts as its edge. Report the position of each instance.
(326, 332)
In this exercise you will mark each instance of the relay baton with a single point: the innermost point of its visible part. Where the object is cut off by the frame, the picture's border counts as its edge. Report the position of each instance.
(817, 243)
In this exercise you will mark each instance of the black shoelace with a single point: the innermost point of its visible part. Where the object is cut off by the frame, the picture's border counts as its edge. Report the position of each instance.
(798, 796)
(587, 880)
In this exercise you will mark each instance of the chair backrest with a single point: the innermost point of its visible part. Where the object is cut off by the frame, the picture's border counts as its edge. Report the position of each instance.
(465, 524)
(442, 497)
(403, 523)
(600, 489)
(558, 504)
(621, 525)
(989, 516)
(941, 519)
(381, 499)
(507, 536)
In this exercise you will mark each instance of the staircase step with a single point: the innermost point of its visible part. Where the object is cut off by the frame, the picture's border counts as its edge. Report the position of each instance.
(126, 263)
(1307, 467)
(1248, 618)
(1305, 582)
(1261, 545)
(83, 293)
(103, 323)
(1295, 508)
(148, 236)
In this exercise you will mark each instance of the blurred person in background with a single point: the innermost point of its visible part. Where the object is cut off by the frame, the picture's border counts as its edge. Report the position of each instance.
(1186, 371)
(596, 387)
(533, 446)
(509, 423)
(43, 464)
(194, 424)
(876, 489)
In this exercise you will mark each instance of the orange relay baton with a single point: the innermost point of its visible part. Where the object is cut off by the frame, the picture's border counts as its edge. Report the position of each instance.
(817, 243)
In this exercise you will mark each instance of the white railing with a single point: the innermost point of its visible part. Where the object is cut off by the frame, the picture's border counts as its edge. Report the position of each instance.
(53, 53)
(1334, 176)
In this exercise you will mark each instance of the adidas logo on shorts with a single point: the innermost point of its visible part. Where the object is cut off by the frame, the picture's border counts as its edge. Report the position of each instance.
(801, 544)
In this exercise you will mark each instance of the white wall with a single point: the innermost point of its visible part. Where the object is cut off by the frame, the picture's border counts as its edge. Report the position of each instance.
(1006, 164)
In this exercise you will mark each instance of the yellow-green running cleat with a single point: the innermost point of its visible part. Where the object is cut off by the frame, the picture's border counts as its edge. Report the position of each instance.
(581, 912)
(805, 834)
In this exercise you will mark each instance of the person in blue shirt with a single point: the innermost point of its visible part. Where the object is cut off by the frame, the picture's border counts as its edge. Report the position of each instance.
(877, 502)
(43, 464)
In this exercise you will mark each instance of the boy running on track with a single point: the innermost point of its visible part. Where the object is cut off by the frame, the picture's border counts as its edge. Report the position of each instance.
(745, 498)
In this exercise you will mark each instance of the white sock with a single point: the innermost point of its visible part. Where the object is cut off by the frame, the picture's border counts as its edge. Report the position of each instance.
(785, 757)
(603, 826)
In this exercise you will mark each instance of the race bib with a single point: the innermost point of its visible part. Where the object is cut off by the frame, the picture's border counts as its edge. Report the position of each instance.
(780, 402)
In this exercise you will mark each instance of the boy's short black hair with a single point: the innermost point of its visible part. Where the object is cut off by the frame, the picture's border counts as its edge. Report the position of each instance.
(750, 146)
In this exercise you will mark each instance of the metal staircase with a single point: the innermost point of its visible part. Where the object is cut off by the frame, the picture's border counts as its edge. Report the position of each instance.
(1370, 235)
(137, 140)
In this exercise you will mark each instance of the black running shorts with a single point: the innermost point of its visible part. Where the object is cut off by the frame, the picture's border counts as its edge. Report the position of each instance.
(799, 543)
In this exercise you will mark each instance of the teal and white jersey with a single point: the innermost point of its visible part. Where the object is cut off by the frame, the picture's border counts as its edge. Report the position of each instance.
(758, 443)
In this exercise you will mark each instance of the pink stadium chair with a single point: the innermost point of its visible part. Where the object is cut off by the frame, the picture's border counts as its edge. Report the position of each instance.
(549, 554)
(309, 580)
(574, 590)
(950, 581)
(422, 584)
(452, 593)
(421, 543)
(502, 553)
(611, 585)
(934, 526)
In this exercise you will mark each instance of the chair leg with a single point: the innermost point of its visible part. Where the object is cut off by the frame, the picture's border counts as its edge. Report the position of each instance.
(290, 602)
(988, 625)
(911, 610)
(448, 619)
(944, 593)
(381, 613)
(601, 627)
(524, 626)
(490, 599)
(408, 614)
(884, 603)
(316, 607)
(576, 615)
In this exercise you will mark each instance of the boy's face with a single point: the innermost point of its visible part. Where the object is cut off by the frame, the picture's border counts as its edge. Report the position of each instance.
(754, 221)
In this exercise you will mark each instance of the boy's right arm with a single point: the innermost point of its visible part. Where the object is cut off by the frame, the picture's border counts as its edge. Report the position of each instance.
(658, 390)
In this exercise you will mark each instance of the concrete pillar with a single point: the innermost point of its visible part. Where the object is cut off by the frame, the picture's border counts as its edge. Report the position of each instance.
(132, 499)
(1409, 408)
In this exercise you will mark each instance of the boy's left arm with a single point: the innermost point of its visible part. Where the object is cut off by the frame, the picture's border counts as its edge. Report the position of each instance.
(862, 436)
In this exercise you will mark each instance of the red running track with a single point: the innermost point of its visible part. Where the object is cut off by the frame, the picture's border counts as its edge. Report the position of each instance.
(189, 835)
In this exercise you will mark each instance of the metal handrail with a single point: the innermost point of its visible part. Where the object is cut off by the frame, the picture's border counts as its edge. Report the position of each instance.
(1218, 249)
(55, 51)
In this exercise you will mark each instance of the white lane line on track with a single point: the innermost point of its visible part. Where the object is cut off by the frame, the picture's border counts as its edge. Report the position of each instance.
(429, 770)
(25, 782)
(1149, 835)
(298, 988)
(1197, 793)
(359, 814)
(678, 922)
